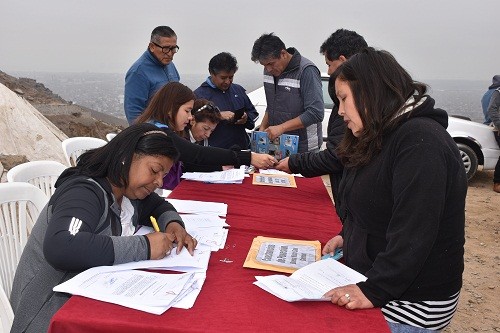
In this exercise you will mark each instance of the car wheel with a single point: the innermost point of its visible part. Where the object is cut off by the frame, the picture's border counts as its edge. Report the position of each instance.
(469, 158)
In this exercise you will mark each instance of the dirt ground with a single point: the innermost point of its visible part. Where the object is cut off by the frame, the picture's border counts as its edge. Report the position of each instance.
(477, 308)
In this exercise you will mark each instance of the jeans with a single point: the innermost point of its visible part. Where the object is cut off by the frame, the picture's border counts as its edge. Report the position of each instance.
(401, 328)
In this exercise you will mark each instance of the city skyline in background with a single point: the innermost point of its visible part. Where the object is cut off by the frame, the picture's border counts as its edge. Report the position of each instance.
(104, 92)
(443, 39)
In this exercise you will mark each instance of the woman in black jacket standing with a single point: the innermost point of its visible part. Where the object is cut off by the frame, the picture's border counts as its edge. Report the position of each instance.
(402, 197)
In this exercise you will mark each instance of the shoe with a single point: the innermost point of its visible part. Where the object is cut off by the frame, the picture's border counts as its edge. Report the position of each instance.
(496, 187)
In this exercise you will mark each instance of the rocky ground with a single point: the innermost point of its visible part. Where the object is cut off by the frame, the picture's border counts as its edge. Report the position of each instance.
(73, 120)
(477, 309)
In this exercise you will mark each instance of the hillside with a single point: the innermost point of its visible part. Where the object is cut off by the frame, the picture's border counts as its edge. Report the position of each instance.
(72, 119)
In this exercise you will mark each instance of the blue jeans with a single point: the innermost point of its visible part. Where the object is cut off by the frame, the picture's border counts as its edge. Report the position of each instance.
(401, 328)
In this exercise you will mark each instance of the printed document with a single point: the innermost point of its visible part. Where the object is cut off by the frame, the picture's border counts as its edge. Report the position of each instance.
(182, 262)
(274, 180)
(281, 255)
(231, 176)
(146, 291)
(311, 282)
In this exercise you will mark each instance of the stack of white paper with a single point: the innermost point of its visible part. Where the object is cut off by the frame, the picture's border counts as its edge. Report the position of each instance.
(182, 262)
(152, 292)
(207, 229)
(145, 291)
(277, 172)
(199, 207)
(231, 176)
(311, 282)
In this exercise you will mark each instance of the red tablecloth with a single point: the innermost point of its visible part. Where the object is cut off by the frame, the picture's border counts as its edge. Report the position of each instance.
(229, 302)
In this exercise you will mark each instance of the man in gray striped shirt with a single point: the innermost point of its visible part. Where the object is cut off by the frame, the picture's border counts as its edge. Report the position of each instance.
(293, 92)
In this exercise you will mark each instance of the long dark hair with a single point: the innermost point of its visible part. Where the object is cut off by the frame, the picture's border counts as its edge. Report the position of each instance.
(113, 159)
(380, 88)
(165, 104)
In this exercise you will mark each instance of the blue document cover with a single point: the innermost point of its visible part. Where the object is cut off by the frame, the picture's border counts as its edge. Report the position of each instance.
(281, 147)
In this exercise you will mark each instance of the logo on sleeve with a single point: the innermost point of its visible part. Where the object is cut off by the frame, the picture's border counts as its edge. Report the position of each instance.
(74, 226)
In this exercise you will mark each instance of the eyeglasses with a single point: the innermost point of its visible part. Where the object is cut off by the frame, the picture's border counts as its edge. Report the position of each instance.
(167, 49)
(210, 107)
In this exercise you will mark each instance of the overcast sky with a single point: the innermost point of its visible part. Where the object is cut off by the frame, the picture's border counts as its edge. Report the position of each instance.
(432, 39)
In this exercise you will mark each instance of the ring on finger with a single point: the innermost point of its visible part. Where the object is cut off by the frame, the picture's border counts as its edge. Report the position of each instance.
(348, 297)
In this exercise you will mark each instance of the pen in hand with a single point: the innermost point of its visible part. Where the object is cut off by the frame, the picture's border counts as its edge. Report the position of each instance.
(154, 223)
(171, 237)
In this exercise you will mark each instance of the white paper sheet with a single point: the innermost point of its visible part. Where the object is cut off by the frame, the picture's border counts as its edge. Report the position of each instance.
(199, 207)
(214, 236)
(203, 221)
(146, 291)
(188, 299)
(310, 282)
(231, 176)
(277, 172)
(182, 262)
(209, 232)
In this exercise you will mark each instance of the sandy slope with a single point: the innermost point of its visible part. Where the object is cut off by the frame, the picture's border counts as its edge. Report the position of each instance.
(478, 310)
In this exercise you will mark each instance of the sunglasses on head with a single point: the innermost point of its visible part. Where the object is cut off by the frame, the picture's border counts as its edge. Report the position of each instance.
(209, 107)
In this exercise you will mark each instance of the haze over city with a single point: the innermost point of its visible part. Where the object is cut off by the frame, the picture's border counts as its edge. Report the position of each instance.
(432, 39)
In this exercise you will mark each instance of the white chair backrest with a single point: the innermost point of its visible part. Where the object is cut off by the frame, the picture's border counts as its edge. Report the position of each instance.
(20, 205)
(110, 136)
(42, 174)
(74, 147)
(6, 314)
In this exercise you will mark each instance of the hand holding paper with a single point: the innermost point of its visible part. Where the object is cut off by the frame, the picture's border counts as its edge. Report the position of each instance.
(349, 296)
(311, 282)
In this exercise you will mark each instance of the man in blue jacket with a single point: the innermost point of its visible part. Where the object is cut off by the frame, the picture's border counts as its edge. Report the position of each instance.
(237, 110)
(150, 72)
(485, 100)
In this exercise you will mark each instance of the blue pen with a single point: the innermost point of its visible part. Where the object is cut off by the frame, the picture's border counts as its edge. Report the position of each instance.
(336, 255)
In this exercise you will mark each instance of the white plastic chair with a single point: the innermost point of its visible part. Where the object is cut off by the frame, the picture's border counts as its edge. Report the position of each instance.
(42, 174)
(6, 314)
(110, 136)
(20, 205)
(74, 147)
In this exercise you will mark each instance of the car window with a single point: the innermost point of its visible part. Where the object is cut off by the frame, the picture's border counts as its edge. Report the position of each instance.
(326, 95)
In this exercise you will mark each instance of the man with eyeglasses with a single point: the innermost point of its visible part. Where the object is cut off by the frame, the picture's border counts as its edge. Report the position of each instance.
(150, 72)
(237, 111)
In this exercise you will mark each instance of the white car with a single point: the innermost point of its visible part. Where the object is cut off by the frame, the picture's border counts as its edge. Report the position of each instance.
(475, 141)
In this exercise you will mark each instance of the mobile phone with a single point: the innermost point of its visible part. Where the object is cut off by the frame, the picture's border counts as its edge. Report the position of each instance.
(239, 113)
